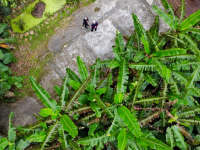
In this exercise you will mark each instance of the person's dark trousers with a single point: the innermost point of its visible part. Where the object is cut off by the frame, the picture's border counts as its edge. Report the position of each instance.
(94, 29)
(86, 25)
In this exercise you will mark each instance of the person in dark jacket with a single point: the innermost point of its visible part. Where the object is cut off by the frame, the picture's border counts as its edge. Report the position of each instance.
(94, 25)
(85, 22)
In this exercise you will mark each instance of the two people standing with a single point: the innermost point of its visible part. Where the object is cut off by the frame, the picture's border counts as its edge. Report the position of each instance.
(86, 21)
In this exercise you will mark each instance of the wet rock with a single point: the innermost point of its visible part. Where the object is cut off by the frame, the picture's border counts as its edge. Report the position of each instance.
(38, 10)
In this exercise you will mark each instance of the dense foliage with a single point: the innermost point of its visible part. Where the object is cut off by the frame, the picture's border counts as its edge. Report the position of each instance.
(7, 80)
(145, 98)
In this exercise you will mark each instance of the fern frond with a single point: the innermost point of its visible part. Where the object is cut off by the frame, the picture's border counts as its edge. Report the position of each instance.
(174, 87)
(129, 49)
(150, 100)
(122, 139)
(92, 128)
(65, 92)
(122, 77)
(191, 44)
(178, 76)
(194, 76)
(179, 138)
(77, 93)
(142, 66)
(72, 75)
(149, 118)
(11, 133)
(179, 57)
(82, 69)
(189, 121)
(119, 42)
(50, 135)
(3, 143)
(63, 137)
(153, 143)
(80, 110)
(22, 144)
(184, 65)
(98, 139)
(170, 137)
(101, 64)
(95, 77)
(139, 56)
(109, 91)
(43, 95)
(168, 7)
(150, 79)
(87, 118)
(74, 145)
(189, 112)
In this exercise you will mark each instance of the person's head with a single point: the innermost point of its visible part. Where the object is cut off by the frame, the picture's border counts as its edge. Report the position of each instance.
(85, 18)
(94, 21)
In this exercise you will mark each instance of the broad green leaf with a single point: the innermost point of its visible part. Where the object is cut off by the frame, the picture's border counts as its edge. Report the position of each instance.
(69, 126)
(74, 84)
(43, 95)
(3, 143)
(38, 137)
(45, 112)
(129, 48)
(74, 145)
(118, 98)
(122, 139)
(170, 52)
(150, 79)
(190, 21)
(113, 64)
(166, 17)
(180, 142)
(3, 27)
(129, 120)
(139, 56)
(11, 133)
(92, 128)
(153, 143)
(82, 69)
(142, 66)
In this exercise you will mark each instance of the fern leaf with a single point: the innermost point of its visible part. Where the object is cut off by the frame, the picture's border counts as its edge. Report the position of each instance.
(63, 137)
(113, 64)
(96, 109)
(190, 21)
(103, 106)
(77, 93)
(179, 57)
(146, 45)
(101, 64)
(109, 91)
(149, 118)
(129, 120)
(193, 77)
(50, 135)
(182, 12)
(139, 56)
(92, 128)
(150, 79)
(158, 66)
(22, 144)
(150, 100)
(97, 139)
(170, 52)
(189, 121)
(178, 76)
(80, 110)
(43, 95)
(82, 69)
(191, 44)
(170, 137)
(153, 143)
(65, 92)
(37, 137)
(184, 65)
(74, 145)
(166, 17)
(133, 145)
(190, 112)
(168, 7)
(119, 42)
(142, 66)
(11, 133)
(3, 143)
(153, 33)
(73, 75)
(69, 126)
(174, 87)
(179, 138)
(95, 77)
(129, 49)
(193, 30)
(116, 54)
(122, 139)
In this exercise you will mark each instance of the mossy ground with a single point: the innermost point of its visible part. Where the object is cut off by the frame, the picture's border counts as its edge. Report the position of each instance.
(31, 49)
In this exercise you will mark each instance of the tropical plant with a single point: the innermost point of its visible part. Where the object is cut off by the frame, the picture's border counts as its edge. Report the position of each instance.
(6, 57)
(145, 98)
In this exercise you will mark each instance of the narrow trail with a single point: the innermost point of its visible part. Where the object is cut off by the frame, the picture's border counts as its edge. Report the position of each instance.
(72, 41)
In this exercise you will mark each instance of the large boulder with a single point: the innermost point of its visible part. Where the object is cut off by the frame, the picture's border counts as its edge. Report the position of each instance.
(38, 10)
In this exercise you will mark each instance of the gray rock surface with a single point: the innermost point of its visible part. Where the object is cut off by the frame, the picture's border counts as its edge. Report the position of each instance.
(23, 113)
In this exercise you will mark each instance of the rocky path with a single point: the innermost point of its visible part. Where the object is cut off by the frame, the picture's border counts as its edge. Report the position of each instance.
(73, 41)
